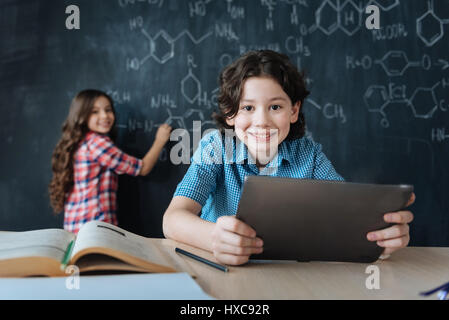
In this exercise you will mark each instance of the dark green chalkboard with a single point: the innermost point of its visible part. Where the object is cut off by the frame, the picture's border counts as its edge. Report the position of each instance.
(379, 102)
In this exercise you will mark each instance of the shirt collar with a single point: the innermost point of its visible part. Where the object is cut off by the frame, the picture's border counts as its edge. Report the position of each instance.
(241, 152)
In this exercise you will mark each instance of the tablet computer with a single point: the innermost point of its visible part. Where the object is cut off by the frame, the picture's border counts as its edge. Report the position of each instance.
(317, 220)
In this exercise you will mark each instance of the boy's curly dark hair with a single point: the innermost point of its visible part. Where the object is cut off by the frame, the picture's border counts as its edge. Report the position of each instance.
(74, 130)
(263, 63)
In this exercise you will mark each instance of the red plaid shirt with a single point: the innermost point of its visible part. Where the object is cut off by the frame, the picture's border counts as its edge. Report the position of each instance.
(93, 196)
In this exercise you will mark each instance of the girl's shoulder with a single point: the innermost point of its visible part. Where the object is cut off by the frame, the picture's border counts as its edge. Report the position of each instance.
(93, 142)
(94, 137)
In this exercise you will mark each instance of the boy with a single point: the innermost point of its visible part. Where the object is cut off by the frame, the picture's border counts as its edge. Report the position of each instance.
(261, 95)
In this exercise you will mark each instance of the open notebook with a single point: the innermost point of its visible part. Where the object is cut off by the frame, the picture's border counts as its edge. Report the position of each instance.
(98, 246)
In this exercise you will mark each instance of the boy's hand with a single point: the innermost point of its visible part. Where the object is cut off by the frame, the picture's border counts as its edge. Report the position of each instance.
(397, 236)
(163, 133)
(233, 241)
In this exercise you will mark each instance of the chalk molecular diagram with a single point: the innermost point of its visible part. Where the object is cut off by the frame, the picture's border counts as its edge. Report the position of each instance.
(347, 16)
(430, 27)
(396, 62)
(178, 122)
(378, 97)
(162, 45)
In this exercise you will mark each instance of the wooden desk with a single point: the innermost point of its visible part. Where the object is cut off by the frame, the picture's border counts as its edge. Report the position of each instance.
(403, 276)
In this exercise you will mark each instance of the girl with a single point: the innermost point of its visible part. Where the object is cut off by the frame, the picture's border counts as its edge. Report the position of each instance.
(86, 162)
(261, 98)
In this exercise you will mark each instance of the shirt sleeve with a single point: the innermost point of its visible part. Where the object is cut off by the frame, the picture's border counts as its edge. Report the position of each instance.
(104, 151)
(323, 168)
(206, 166)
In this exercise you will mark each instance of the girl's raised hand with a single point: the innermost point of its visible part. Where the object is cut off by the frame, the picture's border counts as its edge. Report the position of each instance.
(233, 241)
(163, 133)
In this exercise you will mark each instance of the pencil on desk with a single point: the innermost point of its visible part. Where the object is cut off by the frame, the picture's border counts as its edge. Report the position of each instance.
(67, 255)
(197, 258)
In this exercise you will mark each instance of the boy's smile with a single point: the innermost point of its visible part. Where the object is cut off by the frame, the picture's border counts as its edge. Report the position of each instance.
(262, 136)
(264, 117)
(102, 116)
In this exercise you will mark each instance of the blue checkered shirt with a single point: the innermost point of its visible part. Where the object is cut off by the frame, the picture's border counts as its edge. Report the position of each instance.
(220, 164)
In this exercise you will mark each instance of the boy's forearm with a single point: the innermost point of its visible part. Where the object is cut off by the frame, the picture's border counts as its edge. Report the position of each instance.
(184, 226)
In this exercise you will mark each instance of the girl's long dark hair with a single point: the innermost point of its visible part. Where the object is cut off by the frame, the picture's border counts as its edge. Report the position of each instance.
(74, 129)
